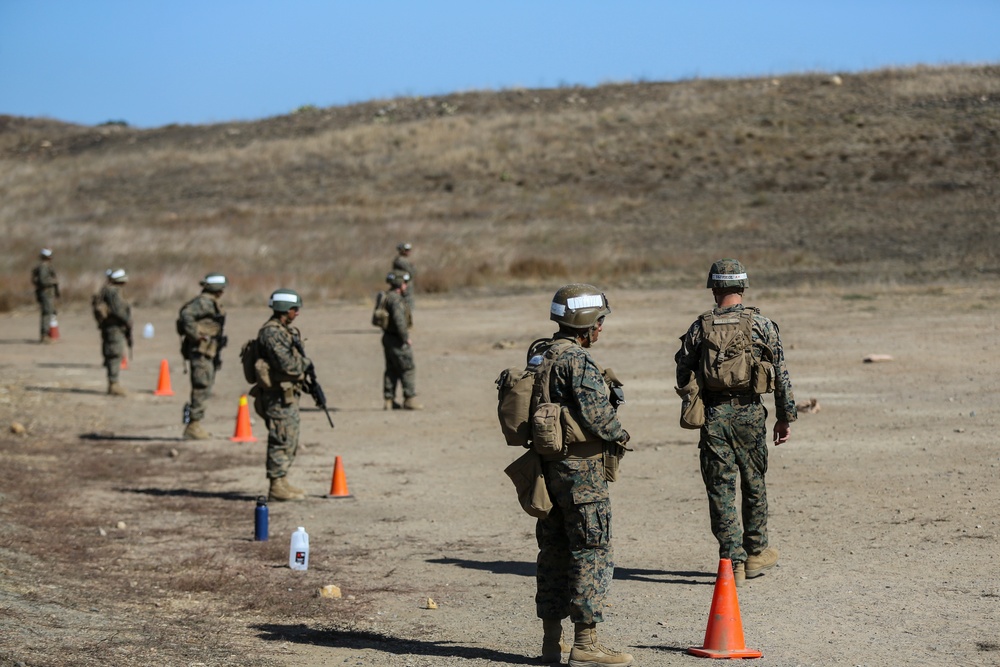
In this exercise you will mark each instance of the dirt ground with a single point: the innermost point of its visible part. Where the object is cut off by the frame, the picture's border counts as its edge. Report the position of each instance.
(124, 545)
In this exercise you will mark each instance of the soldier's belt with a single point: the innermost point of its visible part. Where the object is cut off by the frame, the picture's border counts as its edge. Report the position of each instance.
(579, 451)
(741, 399)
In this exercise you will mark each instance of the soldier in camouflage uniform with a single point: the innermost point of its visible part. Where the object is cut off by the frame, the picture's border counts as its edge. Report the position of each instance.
(733, 439)
(43, 277)
(575, 565)
(277, 397)
(201, 322)
(400, 369)
(116, 327)
(402, 264)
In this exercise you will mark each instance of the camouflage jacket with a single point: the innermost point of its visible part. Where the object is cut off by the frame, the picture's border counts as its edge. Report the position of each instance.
(276, 342)
(43, 277)
(764, 332)
(119, 310)
(400, 319)
(403, 264)
(576, 382)
(201, 319)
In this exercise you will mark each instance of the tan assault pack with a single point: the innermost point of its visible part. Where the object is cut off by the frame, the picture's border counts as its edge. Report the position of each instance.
(728, 364)
(100, 308)
(380, 315)
(527, 417)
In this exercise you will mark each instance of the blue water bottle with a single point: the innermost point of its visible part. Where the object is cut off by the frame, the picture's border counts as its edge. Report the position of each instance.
(260, 520)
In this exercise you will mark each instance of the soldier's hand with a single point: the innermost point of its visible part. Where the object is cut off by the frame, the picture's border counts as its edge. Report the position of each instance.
(782, 432)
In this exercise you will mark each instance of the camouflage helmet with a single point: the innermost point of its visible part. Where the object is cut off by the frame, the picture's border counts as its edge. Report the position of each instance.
(214, 282)
(578, 306)
(117, 275)
(402, 247)
(283, 300)
(396, 279)
(727, 273)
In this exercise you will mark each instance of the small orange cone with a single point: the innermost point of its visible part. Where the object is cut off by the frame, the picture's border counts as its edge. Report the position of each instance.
(124, 363)
(53, 329)
(338, 486)
(163, 386)
(724, 635)
(243, 431)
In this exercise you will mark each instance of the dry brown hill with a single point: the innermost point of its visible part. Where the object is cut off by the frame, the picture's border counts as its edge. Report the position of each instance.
(886, 177)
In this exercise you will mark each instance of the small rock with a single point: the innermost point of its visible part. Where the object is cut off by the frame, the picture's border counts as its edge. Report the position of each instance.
(120, 525)
(874, 358)
(17, 428)
(431, 604)
(102, 532)
(330, 591)
(173, 453)
(505, 344)
(836, 80)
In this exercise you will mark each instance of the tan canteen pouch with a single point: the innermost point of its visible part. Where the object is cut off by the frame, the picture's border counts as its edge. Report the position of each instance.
(529, 481)
(692, 407)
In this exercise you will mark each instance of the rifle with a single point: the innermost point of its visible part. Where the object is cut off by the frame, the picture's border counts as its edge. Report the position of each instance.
(128, 339)
(312, 386)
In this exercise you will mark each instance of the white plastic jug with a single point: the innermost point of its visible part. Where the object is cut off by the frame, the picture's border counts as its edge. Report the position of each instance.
(147, 331)
(298, 551)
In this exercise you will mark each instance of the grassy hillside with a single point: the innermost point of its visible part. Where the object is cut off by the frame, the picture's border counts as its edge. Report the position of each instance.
(884, 177)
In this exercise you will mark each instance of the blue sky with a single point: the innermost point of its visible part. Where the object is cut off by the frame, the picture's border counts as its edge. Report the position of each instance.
(152, 62)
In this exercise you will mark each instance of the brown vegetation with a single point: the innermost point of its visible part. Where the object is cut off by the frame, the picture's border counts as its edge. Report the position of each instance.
(888, 176)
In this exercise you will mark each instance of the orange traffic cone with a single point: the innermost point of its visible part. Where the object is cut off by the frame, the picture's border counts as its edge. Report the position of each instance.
(124, 363)
(53, 329)
(243, 431)
(338, 486)
(163, 386)
(724, 635)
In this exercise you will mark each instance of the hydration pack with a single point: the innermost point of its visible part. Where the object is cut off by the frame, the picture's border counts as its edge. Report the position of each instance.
(523, 398)
(380, 315)
(728, 364)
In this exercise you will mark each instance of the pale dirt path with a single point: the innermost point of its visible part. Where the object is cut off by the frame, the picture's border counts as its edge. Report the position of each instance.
(884, 504)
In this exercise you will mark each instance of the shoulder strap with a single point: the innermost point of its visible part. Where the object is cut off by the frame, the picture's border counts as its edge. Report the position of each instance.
(551, 355)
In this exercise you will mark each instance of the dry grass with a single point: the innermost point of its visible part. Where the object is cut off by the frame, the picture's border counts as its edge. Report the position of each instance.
(891, 176)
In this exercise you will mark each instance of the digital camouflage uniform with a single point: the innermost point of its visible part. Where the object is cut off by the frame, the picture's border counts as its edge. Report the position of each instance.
(400, 367)
(403, 265)
(115, 330)
(202, 321)
(734, 441)
(43, 277)
(575, 565)
(279, 405)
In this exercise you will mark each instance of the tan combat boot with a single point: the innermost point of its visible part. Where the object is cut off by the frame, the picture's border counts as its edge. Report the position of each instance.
(293, 488)
(553, 645)
(390, 405)
(759, 563)
(739, 574)
(280, 492)
(194, 431)
(115, 389)
(411, 404)
(587, 652)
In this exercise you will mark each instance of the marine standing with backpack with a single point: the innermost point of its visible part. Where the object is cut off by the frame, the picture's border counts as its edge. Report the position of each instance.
(400, 368)
(575, 565)
(736, 355)
(280, 378)
(43, 277)
(114, 318)
(201, 323)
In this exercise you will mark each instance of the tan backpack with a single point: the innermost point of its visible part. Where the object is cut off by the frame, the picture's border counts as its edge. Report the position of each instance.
(380, 315)
(727, 361)
(527, 417)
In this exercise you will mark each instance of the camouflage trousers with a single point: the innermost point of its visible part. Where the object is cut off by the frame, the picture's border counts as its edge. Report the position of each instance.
(47, 303)
(113, 348)
(282, 431)
(575, 563)
(734, 442)
(202, 379)
(400, 369)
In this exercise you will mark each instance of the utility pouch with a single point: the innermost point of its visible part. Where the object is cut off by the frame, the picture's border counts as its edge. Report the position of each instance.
(529, 481)
(763, 377)
(573, 433)
(263, 372)
(692, 407)
(546, 429)
(611, 462)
